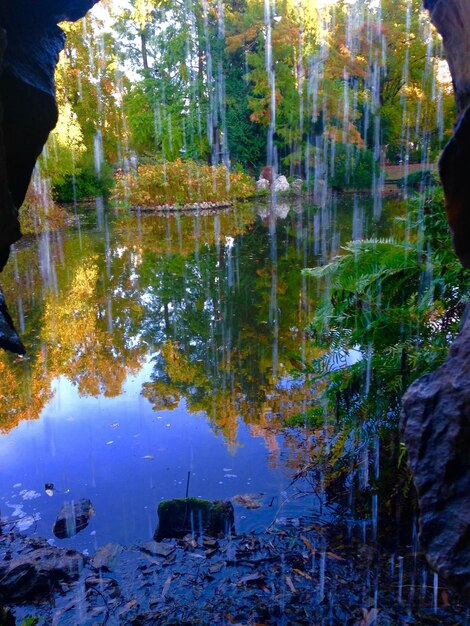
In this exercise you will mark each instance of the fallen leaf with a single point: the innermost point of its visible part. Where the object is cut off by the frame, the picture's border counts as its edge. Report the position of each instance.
(211, 552)
(249, 579)
(216, 567)
(166, 586)
(301, 573)
(332, 555)
(189, 541)
(308, 545)
(249, 500)
(318, 529)
(158, 549)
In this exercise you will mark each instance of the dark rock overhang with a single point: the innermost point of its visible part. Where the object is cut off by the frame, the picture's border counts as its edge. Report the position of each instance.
(30, 43)
(452, 20)
(34, 39)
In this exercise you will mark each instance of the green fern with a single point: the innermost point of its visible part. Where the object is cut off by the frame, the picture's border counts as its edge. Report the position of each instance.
(397, 300)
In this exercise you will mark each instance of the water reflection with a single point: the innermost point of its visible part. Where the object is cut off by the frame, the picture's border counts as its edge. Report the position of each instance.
(164, 317)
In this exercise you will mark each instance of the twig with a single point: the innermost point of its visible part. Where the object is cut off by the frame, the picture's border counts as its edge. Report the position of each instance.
(187, 485)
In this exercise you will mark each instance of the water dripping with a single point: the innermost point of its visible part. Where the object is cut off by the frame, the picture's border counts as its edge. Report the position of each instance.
(99, 204)
(98, 152)
(321, 586)
(435, 591)
(269, 14)
(400, 580)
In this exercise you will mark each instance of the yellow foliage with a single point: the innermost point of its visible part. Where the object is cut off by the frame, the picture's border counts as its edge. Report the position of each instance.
(67, 131)
(79, 345)
(23, 391)
(182, 182)
(179, 368)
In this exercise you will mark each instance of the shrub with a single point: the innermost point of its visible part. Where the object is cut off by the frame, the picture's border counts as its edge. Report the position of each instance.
(87, 185)
(388, 314)
(39, 212)
(420, 180)
(181, 182)
(353, 168)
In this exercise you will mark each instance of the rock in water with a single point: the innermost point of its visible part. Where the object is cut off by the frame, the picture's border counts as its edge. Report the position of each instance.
(9, 338)
(281, 184)
(156, 548)
(107, 557)
(262, 184)
(177, 518)
(72, 518)
(34, 573)
(435, 424)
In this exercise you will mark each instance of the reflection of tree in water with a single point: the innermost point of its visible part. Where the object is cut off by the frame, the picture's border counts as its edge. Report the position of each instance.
(24, 391)
(219, 298)
(90, 338)
(85, 326)
(25, 385)
(209, 316)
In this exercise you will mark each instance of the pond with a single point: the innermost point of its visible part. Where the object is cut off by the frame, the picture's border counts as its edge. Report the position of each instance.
(161, 352)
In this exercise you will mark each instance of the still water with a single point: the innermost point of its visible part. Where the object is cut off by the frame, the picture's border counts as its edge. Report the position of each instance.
(162, 346)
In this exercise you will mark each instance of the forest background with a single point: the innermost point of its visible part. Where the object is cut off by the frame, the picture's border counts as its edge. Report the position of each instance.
(151, 91)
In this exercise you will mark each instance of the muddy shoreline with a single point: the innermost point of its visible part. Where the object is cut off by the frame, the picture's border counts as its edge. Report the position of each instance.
(295, 573)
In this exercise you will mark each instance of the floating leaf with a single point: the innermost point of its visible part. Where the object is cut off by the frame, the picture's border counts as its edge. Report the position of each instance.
(249, 500)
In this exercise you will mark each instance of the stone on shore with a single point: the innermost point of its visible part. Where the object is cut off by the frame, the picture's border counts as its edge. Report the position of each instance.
(72, 518)
(106, 557)
(34, 573)
(156, 548)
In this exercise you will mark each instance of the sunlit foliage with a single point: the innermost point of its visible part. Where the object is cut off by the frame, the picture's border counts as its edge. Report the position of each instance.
(182, 182)
(190, 81)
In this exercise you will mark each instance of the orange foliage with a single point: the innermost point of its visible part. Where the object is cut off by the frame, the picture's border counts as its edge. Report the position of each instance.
(39, 213)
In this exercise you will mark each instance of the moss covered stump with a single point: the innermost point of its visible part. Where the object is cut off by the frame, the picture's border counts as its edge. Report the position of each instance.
(177, 518)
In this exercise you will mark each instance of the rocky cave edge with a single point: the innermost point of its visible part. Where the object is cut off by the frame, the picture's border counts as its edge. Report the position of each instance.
(436, 409)
(30, 43)
(435, 420)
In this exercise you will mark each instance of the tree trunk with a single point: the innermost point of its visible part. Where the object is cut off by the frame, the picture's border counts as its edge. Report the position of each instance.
(143, 46)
